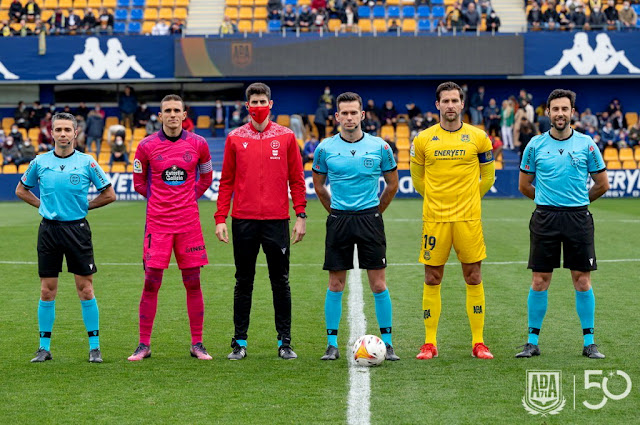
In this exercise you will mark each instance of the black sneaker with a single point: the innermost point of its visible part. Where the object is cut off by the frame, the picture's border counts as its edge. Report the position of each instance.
(286, 352)
(590, 351)
(391, 355)
(239, 351)
(332, 353)
(95, 356)
(530, 350)
(42, 355)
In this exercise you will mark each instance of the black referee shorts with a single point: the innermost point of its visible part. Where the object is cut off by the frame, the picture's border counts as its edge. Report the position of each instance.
(553, 227)
(71, 239)
(348, 228)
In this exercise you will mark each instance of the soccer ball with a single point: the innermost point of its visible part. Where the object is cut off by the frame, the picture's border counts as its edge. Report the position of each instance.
(369, 350)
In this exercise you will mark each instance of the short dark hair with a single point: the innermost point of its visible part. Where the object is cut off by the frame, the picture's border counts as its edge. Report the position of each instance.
(448, 86)
(349, 97)
(170, 97)
(65, 116)
(258, 88)
(560, 93)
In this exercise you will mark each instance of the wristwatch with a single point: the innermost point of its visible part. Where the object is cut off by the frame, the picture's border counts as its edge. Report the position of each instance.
(301, 215)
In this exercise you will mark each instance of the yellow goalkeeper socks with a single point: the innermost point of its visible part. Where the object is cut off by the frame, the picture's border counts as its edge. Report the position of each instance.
(432, 305)
(475, 311)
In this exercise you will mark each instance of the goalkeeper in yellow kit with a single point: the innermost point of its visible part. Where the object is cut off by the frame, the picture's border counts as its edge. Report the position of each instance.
(452, 168)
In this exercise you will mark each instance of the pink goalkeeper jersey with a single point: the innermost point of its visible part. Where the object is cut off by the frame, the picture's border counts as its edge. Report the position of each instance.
(165, 172)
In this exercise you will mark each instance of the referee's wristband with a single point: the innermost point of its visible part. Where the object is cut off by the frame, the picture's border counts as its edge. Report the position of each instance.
(301, 215)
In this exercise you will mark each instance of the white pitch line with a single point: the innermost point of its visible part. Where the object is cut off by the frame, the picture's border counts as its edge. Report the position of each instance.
(358, 412)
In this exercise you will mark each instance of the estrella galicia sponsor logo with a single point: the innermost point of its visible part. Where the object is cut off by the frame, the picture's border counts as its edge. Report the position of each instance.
(194, 249)
(368, 162)
(187, 157)
(174, 176)
(74, 179)
(543, 392)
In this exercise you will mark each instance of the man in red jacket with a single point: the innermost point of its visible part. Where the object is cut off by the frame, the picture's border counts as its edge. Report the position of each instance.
(261, 163)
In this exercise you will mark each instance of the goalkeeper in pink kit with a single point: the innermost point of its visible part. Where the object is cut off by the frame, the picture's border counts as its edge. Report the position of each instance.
(164, 171)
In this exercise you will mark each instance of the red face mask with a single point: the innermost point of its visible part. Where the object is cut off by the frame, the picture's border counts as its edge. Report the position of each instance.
(259, 113)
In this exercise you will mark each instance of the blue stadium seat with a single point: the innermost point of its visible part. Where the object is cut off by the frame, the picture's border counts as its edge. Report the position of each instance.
(437, 3)
(275, 25)
(139, 3)
(636, 7)
(119, 27)
(393, 12)
(121, 14)
(364, 12)
(136, 14)
(438, 12)
(424, 25)
(423, 12)
(378, 12)
(123, 3)
(134, 27)
(291, 2)
(408, 12)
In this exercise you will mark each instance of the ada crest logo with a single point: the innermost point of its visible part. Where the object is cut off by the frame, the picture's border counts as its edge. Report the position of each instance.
(241, 53)
(465, 138)
(544, 392)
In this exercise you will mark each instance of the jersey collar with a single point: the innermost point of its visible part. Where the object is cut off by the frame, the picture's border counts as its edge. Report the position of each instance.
(256, 131)
(63, 157)
(163, 135)
(347, 141)
(562, 140)
(449, 131)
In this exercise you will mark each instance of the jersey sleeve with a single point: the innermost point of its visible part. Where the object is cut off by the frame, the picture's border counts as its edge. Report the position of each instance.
(595, 163)
(227, 182)
(204, 168)
(296, 176)
(30, 177)
(485, 150)
(98, 176)
(320, 159)
(528, 164)
(416, 154)
(140, 170)
(388, 161)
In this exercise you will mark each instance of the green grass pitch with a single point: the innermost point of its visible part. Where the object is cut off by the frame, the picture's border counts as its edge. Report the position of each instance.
(172, 387)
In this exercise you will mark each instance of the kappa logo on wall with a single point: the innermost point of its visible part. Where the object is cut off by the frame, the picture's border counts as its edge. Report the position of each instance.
(115, 63)
(8, 75)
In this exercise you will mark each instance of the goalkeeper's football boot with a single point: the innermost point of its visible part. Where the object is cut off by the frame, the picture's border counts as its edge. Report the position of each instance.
(427, 351)
(332, 353)
(529, 350)
(198, 351)
(95, 356)
(592, 352)
(142, 352)
(391, 354)
(481, 351)
(42, 355)
(239, 351)
(285, 351)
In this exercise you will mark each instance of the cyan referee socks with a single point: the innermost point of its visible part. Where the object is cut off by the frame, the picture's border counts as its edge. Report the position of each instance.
(91, 318)
(384, 315)
(46, 316)
(537, 308)
(586, 307)
(332, 315)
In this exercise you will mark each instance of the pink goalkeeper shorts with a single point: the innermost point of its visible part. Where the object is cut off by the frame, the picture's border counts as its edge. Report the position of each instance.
(188, 248)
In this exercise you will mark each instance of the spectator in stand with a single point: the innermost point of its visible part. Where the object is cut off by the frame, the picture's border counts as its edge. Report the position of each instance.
(10, 153)
(530, 113)
(176, 26)
(412, 110)
(608, 134)
(393, 26)
(416, 125)
(389, 115)
(21, 115)
(578, 19)
(454, 17)
(319, 5)
(603, 119)
(127, 103)
(485, 7)
(614, 106)
(430, 119)
(242, 110)
(227, 26)
(31, 11)
(588, 119)
(349, 19)
(15, 134)
(218, 115)
(89, 22)
(597, 19)
(27, 152)
(618, 120)
(628, 17)
(105, 22)
(142, 115)
(58, 22)
(309, 148)
(563, 18)
(188, 124)
(6, 30)
(3, 137)
(370, 124)
(153, 125)
(320, 119)
(236, 120)
(371, 107)
(160, 28)
(551, 16)
(526, 134)
(476, 106)
(274, 9)
(94, 130)
(82, 110)
(493, 22)
(535, 17)
(590, 131)
(15, 11)
(471, 18)
(74, 23)
(289, 18)
(320, 19)
(305, 18)
(81, 138)
(506, 124)
(327, 97)
(613, 18)
(634, 134)
(492, 118)
(544, 123)
(118, 152)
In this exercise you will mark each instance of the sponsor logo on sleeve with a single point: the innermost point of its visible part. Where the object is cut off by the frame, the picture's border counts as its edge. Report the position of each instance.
(137, 166)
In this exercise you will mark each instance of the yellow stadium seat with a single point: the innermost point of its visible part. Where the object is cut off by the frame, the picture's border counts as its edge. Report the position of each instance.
(231, 12)
(50, 4)
(304, 2)
(308, 166)
(65, 4)
(260, 2)
(165, 13)
(33, 134)
(636, 151)
(260, 26)
(80, 4)
(15, 26)
(614, 165)
(245, 13)
(79, 12)
(244, 26)
(180, 13)
(387, 131)
(629, 165)
(284, 120)
(118, 167)
(147, 26)
(402, 131)
(111, 4)
(625, 154)
(364, 25)
(182, 3)
(46, 15)
(204, 121)
(139, 133)
(7, 122)
(403, 156)
(4, 15)
(610, 154)
(498, 165)
(403, 166)
(22, 168)
(408, 25)
(104, 157)
(392, 2)
(380, 25)
(259, 13)
(166, 3)
(334, 24)
(96, 4)
(246, 3)
(109, 121)
(153, 3)
(631, 117)
(403, 143)
(150, 14)
(232, 3)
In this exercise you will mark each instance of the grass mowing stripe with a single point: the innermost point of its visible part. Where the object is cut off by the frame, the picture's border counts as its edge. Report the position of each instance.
(358, 411)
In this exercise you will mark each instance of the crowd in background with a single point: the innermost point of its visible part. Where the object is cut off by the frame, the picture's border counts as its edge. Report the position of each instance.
(575, 15)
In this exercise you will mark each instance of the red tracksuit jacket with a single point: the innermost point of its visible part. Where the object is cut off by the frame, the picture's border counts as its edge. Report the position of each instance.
(258, 170)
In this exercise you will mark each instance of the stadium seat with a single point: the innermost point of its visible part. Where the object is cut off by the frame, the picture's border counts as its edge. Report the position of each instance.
(437, 12)
(610, 154)
(165, 13)
(118, 167)
(123, 3)
(137, 14)
(284, 120)
(625, 154)
(180, 13)
(334, 24)
(392, 2)
(22, 168)
(424, 25)
(50, 4)
(262, 3)
(33, 134)
(134, 28)
(364, 25)
(109, 4)
(246, 3)
(153, 3)
(138, 3)
(104, 157)
(408, 12)
(245, 13)
(408, 25)
(403, 143)
(364, 12)
(380, 25)
(424, 12)
(260, 13)
(139, 133)
(80, 4)
(636, 152)
(387, 131)
(109, 121)
(231, 12)
(629, 165)
(119, 27)
(182, 3)
(65, 4)
(166, 3)
(437, 2)
(96, 4)
(631, 117)
(403, 156)
(244, 26)
(147, 26)
(291, 2)
(275, 25)
(402, 131)
(378, 12)
(614, 165)
(7, 122)
(498, 165)
(46, 15)
(233, 3)
(150, 14)
(393, 12)
(203, 121)
(260, 25)
(121, 14)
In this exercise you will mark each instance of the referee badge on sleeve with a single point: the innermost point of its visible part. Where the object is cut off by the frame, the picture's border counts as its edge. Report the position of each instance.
(137, 166)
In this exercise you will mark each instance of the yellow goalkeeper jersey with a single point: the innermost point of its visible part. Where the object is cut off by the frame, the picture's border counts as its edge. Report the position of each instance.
(451, 161)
